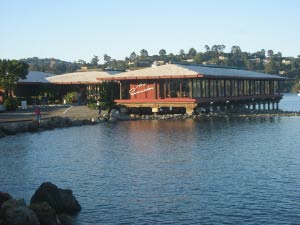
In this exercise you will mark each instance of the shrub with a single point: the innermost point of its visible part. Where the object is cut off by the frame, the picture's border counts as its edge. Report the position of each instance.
(11, 103)
(92, 105)
(70, 97)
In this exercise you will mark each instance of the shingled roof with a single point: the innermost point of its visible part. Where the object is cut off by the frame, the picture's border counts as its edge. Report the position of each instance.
(182, 71)
(36, 77)
(88, 77)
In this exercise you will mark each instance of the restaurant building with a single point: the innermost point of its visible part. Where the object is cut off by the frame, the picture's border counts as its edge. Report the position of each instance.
(186, 88)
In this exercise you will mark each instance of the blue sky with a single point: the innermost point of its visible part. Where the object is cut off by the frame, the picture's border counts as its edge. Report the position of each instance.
(78, 29)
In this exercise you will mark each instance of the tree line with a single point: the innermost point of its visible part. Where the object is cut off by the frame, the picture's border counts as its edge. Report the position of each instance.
(266, 61)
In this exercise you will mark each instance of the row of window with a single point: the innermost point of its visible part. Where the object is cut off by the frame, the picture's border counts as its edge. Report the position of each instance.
(221, 88)
(205, 88)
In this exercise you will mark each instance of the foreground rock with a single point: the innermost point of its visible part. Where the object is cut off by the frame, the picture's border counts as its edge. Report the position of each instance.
(47, 124)
(45, 213)
(4, 197)
(15, 212)
(50, 205)
(61, 200)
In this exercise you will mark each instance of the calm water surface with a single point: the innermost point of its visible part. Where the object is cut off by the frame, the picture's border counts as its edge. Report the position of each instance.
(242, 171)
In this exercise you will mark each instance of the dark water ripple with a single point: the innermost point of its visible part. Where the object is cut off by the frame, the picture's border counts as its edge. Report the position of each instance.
(219, 171)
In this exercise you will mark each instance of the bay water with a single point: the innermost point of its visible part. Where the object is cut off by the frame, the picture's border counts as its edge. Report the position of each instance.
(215, 171)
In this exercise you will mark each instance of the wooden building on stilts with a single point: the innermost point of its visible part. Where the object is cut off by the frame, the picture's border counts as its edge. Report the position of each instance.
(188, 89)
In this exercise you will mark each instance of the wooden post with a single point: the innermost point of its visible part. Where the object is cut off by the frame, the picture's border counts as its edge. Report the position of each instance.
(169, 89)
(120, 90)
(165, 88)
(209, 94)
(191, 88)
(180, 88)
(201, 88)
(157, 90)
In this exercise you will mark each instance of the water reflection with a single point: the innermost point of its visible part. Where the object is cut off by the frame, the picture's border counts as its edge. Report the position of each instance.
(213, 171)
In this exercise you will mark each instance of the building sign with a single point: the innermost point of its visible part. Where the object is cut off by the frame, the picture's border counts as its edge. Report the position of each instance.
(140, 88)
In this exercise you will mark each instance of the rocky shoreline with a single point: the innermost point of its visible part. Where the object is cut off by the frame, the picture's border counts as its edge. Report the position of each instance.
(49, 205)
(14, 128)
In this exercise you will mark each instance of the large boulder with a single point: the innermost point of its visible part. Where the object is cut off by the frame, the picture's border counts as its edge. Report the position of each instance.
(21, 215)
(65, 219)
(4, 197)
(15, 212)
(45, 213)
(11, 203)
(62, 200)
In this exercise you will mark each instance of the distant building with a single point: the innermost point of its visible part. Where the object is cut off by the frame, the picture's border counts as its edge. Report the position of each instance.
(222, 57)
(282, 72)
(157, 63)
(286, 61)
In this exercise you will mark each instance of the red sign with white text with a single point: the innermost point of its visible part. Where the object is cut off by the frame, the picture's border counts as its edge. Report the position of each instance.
(142, 91)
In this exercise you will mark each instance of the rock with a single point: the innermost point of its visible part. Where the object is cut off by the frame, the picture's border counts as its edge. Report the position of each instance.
(124, 116)
(113, 119)
(45, 213)
(65, 219)
(21, 215)
(2, 134)
(11, 203)
(86, 122)
(4, 197)
(114, 115)
(62, 200)
(77, 123)
(33, 126)
(9, 130)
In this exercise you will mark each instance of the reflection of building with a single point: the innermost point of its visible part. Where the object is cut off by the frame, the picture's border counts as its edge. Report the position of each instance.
(190, 87)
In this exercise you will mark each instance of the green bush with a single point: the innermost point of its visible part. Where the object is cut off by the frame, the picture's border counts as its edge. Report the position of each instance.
(70, 97)
(92, 105)
(11, 103)
(107, 105)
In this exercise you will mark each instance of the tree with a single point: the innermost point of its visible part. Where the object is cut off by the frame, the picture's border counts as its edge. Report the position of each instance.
(162, 52)
(10, 72)
(95, 61)
(81, 62)
(263, 53)
(235, 49)
(270, 53)
(106, 58)
(108, 92)
(132, 57)
(272, 67)
(218, 48)
(207, 49)
(144, 53)
(192, 52)
(278, 55)
(199, 58)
